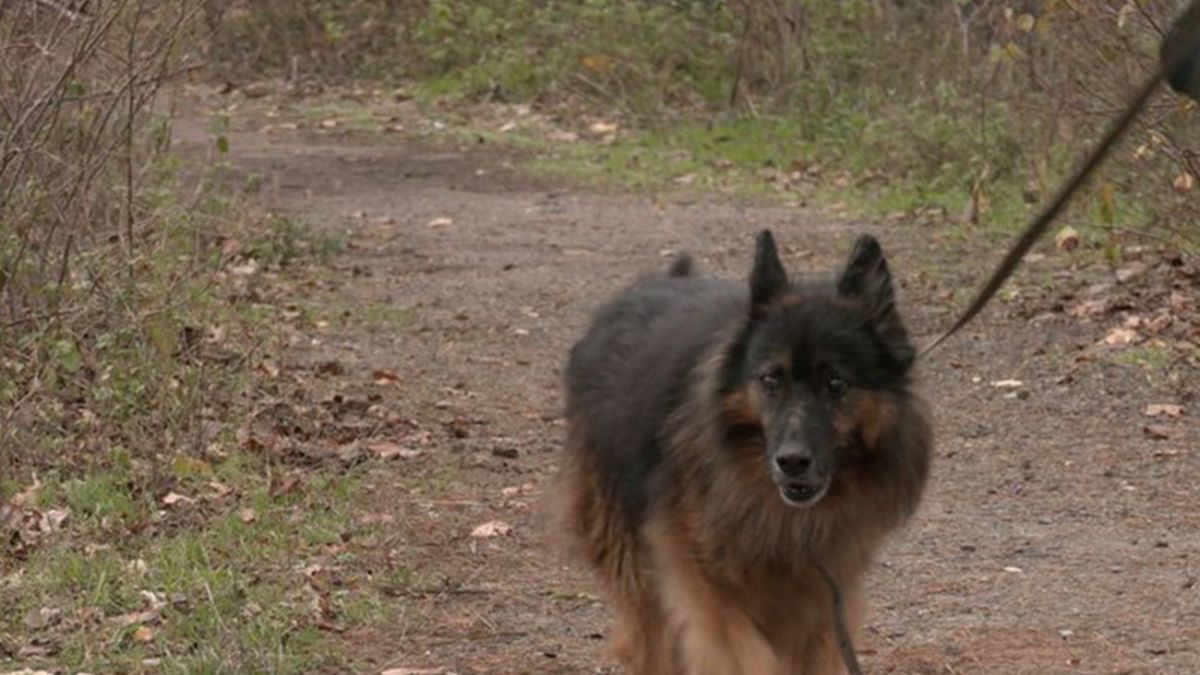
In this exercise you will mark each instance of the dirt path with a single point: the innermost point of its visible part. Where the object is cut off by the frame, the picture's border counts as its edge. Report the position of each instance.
(1057, 536)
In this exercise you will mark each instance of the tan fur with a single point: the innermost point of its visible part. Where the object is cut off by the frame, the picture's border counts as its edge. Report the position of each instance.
(719, 578)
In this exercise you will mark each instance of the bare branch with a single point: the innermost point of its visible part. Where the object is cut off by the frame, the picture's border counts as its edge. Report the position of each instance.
(67, 12)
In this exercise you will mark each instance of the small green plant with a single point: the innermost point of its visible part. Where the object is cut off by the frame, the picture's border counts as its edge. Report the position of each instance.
(1151, 358)
(284, 240)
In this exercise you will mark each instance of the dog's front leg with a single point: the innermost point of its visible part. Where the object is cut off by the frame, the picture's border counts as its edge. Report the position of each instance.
(713, 634)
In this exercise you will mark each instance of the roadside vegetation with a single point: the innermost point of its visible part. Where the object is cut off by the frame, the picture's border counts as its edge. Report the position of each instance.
(141, 527)
(962, 112)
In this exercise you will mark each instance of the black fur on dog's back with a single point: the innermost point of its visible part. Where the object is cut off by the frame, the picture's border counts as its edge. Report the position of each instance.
(631, 371)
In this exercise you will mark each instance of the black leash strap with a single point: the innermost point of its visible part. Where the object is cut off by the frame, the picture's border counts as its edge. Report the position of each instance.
(845, 642)
(1180, 65)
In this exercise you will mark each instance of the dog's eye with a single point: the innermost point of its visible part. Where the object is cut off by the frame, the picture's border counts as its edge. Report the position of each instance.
(836, 386)
(771, 382)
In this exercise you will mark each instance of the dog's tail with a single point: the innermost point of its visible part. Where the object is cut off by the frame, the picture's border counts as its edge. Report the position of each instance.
(682, 266)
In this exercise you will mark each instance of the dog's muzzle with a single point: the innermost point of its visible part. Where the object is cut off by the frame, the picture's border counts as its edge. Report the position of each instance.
(797, 475)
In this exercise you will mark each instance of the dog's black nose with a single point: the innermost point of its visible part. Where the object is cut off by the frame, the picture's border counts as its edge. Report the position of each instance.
(793, 464)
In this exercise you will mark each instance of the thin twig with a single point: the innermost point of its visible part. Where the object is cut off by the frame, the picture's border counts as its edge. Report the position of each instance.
(67, 12)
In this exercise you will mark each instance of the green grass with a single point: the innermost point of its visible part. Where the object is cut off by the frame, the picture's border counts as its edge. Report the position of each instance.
(439, 482)
(862, 164)
(282, 241)
(1150, 358)
(234, 590)
(379, 316)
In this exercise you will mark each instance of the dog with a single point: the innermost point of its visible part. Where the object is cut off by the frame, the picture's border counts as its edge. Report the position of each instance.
(728, 442)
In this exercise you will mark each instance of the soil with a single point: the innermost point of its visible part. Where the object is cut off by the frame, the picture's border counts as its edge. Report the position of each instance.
(1058, 535)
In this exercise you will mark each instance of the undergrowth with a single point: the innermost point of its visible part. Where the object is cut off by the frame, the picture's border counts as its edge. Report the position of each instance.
(973, 109)
(139, 531)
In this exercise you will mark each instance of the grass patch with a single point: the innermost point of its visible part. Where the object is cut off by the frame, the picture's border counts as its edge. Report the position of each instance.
(226, 583)
(381, 315)
(1149, 357)
(870, 167)
(282, 240)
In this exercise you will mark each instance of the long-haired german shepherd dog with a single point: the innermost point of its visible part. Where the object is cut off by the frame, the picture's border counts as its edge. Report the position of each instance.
(724, 440)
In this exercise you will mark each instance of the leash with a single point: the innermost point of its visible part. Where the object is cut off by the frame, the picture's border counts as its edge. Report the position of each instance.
(1179, 66)
(845, 642)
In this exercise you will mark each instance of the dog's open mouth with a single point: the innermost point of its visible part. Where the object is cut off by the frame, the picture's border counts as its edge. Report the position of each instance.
(803, 494)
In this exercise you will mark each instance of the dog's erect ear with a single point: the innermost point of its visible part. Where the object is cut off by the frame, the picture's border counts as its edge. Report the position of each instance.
(768, 277)
(868, 279)
(866, 275)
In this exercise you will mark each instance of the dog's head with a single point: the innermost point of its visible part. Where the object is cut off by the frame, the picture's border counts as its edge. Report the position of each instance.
(816, 369)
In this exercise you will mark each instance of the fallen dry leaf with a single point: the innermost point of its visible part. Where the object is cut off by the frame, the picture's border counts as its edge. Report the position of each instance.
(597, 63)
(1156, 432)
(441, 222)
(603, 128)
(1067, 239)
(332, 367)
(246, 269)
(143, 634)
(134, 618)
(176, 499)
(389, 450)
(1120, 336)
(40, 617)
(1184, 182)
(219, 489)
(385, 376)
(286, 484)
(562, 136)
(52, 519)
(1007, 384)
(1162, 409)
(248, 515)
(29, 496)
(1130, 272)
(512, 491)
(492, 528)
(1089, 308)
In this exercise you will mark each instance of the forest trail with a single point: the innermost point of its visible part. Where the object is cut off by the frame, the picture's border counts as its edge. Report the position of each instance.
(1058, 535)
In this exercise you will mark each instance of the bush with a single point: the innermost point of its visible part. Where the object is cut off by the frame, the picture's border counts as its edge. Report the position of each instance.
(107, 256)
(640, 58)
(315, 38)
